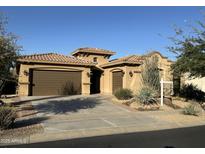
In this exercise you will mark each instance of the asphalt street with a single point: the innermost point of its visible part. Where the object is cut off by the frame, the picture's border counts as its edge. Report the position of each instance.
(191, 137)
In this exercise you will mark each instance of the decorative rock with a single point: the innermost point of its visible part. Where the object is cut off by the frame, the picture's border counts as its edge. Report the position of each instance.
(124, 102)
(151, 107)
(203, 105)
(148, 107)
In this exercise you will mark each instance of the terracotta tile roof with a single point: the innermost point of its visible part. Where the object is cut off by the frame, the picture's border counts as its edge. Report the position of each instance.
(156, 52)
(133, 59)
(93, 50)
(54, 58)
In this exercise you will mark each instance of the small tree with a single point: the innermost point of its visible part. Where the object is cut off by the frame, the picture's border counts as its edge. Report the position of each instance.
(151, 74)
(9, 50)
(190, 51)
(150, 80)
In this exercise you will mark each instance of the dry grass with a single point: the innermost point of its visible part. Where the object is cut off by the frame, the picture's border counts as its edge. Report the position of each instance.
(24, 111)
(180, 102)
(21, 132)
(133, 104)
(180, 118)
(124, 102)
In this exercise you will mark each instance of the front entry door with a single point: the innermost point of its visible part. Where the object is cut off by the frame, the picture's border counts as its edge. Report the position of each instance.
(117, 81)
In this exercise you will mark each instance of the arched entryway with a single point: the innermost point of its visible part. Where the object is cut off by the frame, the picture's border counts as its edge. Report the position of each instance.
(95, 80)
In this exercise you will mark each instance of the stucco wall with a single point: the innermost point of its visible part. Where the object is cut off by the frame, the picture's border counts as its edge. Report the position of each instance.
(100, 58)
(106, 79)
(165, 66)
(132, 76)
(24, 78)
(167, 73)
(199, 82)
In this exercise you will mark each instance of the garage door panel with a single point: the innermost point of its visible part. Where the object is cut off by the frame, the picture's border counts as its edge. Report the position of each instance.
(53, 82)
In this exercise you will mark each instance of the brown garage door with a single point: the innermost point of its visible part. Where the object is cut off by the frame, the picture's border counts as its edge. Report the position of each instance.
(117, 80)
(55, 83)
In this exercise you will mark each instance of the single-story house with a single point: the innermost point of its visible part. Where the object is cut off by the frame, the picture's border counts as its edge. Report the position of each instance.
(87, 70)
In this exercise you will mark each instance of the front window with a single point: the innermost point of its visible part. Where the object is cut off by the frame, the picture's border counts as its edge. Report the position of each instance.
(95, 59)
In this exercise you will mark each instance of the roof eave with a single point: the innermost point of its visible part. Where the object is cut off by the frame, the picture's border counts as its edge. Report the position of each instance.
(78, 51)
(57, 63)
(119, 63)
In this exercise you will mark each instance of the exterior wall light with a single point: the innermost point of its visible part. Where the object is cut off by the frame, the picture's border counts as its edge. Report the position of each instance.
(88, 74)
(130, 73)
(25, 72)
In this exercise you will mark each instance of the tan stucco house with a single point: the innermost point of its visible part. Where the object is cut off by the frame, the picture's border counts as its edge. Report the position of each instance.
(88, 69)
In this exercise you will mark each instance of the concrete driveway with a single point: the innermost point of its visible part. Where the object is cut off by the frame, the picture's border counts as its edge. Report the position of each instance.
(82, 116)
(95, 121)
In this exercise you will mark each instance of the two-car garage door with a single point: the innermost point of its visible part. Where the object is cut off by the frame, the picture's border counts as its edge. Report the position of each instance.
(53, 82)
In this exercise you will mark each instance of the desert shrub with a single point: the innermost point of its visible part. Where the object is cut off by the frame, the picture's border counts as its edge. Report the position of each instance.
(151, 74)
(123, 94)
(147, 96)
(191, 110)
(7, 117)
(191, 92)
(69, 89)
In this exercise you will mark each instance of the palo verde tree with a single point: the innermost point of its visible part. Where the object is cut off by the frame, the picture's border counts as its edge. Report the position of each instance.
(151, 81)
(9, 50)
(190, 50)
(150, 73)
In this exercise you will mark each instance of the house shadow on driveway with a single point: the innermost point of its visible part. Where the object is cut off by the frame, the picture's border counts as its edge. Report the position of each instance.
(18, 101)
(28, 122)
(66, 105)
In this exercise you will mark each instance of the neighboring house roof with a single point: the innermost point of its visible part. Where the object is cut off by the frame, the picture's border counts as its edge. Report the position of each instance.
(54, 58)
(157, 52)
(133, 59)
(93, 50)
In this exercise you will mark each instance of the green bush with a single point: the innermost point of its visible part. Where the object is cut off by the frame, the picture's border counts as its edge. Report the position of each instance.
(191, 110)
(147, 96)
(123, 94)
(191, 92)
(7, 117)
